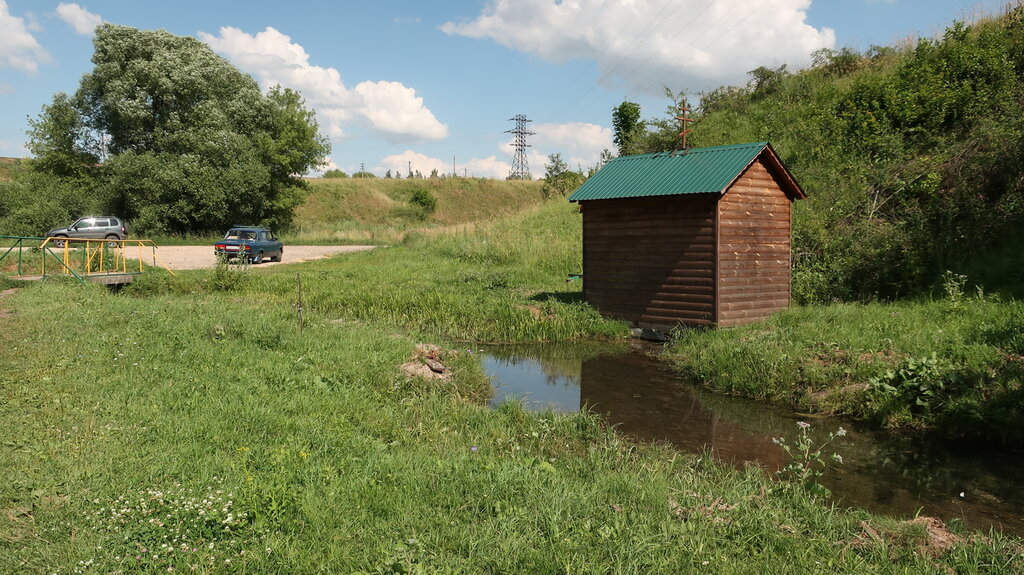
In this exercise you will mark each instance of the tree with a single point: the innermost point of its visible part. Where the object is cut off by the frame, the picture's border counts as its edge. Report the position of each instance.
(188, 143)
(558, 178)
(628, 127)
(335, 174)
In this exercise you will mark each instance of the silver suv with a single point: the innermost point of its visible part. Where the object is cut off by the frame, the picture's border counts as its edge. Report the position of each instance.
(92, 228)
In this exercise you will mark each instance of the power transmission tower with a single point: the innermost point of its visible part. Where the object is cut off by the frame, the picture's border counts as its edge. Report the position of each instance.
(520, 167)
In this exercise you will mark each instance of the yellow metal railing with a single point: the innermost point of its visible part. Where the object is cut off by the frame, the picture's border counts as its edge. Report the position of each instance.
(85, 257)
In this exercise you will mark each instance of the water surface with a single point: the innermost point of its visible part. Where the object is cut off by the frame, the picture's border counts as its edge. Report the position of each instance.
(649, 402)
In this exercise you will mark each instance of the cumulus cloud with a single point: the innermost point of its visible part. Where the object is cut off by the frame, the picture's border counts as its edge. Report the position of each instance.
(399, 164)
(389, 108)
(83, 21)
(579, 143)
(644, 45)
(489, 167)
(18, 48)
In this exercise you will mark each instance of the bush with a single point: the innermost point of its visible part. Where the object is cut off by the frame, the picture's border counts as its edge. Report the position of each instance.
(424, 199)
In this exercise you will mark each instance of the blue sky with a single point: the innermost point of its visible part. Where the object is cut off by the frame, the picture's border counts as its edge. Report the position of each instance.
(434, 84)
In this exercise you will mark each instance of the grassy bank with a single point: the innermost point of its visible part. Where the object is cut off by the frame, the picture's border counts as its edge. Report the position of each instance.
(382, 211)
(951, 367)
(504, 282)
(201, 430)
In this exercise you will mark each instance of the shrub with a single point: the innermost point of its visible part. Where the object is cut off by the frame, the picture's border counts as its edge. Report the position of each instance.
(424, 199)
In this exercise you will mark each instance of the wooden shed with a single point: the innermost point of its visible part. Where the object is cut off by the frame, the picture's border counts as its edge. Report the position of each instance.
(700, 237)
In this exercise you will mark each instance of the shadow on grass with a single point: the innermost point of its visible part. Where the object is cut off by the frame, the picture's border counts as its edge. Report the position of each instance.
(566, 297)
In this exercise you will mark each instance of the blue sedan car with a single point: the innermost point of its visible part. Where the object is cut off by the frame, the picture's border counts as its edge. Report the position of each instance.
(250, 245)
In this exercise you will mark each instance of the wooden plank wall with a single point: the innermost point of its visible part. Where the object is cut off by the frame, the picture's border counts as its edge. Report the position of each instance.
(651, 260)
(754, 248)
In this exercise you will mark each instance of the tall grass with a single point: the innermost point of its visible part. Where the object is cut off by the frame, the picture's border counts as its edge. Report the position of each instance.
(503, 282)
(957, 361)
(379, 210)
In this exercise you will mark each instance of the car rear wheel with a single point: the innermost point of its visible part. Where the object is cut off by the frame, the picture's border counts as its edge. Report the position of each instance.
(112, 242)
(257, 258)
(60, 241)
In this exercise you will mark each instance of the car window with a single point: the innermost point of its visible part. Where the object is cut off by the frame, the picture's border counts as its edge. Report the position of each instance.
(102, 223)
(84, 223)
(231, 235)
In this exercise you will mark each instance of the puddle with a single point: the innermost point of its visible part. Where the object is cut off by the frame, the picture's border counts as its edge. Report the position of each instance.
(650, 403)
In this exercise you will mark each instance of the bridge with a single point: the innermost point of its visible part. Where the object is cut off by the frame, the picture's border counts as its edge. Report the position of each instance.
(108, 262)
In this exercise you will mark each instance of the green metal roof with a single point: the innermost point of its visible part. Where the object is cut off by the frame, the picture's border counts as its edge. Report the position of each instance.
(697, 171)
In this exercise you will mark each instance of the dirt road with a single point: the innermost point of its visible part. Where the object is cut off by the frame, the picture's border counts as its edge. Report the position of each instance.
(197, 257)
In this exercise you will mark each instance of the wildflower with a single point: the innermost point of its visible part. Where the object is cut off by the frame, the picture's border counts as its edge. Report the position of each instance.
(841, 432)
(803, 424)
(473, 449)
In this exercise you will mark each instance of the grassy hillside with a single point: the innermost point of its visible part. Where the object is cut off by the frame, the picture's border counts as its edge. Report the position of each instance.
(381, 210)
(11, 167)
(910, 155)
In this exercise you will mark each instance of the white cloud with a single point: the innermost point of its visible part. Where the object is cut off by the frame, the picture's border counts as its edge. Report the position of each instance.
(6, 89)
(489, 167)
(389, 108)
(579, 143)
(399, 164)
(689, 44)
(18, 48)
(11, 149)
(83, 21)
(395, 109)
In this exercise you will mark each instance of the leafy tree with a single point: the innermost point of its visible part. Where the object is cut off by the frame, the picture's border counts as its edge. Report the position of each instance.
(765, 80)
(558, 178)
(364, 174)
(335, 174)
(627, 126)
(187, 142)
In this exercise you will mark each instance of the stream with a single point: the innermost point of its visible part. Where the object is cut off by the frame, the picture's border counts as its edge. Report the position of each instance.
(647, 401)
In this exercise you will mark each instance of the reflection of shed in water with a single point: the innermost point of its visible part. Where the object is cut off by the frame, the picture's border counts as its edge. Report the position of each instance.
(645, 400)
(699, 237)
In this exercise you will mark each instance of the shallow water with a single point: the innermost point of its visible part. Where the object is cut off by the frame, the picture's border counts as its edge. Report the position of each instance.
(647, 401)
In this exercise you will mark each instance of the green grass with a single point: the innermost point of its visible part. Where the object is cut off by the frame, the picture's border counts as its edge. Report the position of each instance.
(505, 282)
(192, 411)
(379, 210)
(958, 363)
(321, 457)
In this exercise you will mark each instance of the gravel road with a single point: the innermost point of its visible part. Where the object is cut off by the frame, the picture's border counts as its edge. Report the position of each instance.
(197, 257)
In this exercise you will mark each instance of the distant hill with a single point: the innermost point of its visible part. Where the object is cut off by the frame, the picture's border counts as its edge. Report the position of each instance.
(352, 208)
(8, 166)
